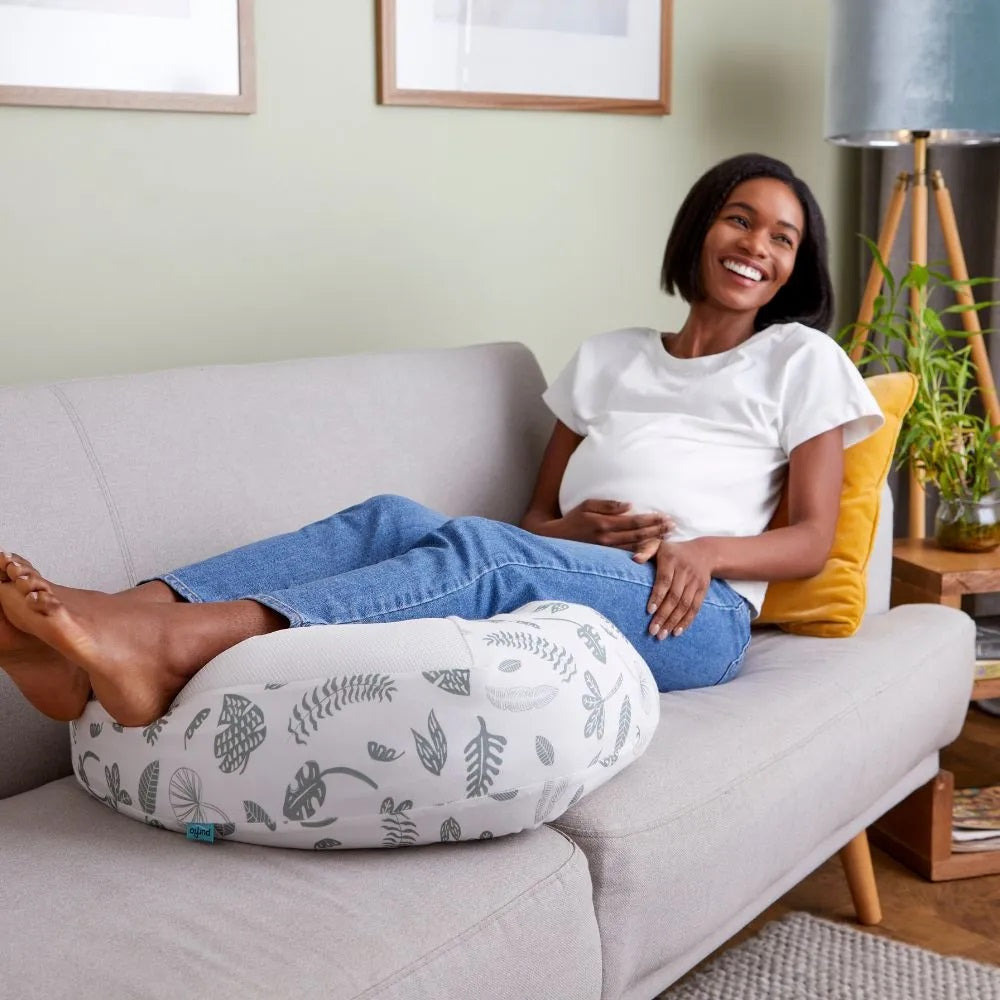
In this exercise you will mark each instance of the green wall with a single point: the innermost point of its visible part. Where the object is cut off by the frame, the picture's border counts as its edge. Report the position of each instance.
(325, 224)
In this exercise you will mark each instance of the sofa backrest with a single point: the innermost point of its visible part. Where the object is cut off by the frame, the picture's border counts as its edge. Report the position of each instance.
(107, 481)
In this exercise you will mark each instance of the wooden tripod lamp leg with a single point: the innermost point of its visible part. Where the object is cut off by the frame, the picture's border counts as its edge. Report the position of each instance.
(918, 255)
(857, 861)
(970, 318)
(887, 237)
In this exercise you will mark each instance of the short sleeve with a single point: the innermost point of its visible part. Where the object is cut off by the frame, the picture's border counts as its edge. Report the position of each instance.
(560, 396)
(822, 390)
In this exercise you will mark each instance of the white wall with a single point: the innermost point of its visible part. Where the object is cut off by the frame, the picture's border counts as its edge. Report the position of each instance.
(326, 224)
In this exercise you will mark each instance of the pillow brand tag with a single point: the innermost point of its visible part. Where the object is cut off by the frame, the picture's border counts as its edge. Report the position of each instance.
(205, 832)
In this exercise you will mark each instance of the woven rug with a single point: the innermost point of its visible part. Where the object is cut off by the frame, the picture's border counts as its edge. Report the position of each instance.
(801, 957)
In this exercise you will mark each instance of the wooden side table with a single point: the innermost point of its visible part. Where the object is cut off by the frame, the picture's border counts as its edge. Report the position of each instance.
(918, 830)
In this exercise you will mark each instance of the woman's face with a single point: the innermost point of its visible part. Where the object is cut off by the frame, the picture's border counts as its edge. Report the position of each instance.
(749, 250)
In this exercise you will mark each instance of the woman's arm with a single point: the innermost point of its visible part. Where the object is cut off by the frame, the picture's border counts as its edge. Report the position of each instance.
(800, 550)
(602, 522)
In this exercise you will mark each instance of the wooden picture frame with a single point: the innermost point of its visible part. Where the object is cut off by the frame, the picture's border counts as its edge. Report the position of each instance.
(244, 102)
(655, 67)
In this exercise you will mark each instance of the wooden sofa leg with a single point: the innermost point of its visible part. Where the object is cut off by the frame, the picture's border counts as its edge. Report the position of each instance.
(857, 861)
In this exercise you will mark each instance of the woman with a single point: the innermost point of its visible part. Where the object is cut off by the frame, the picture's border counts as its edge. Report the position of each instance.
(651, 504)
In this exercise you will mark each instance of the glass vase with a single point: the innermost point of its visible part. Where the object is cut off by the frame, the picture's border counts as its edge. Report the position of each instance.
(968, 525)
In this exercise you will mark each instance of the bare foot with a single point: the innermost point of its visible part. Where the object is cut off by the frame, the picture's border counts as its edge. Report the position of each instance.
(137, 653)
(56, 687)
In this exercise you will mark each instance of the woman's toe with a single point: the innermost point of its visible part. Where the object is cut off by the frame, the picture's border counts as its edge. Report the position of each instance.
(43, 601)
(27, 581)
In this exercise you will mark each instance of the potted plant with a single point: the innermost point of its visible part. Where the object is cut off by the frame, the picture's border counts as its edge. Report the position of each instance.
(952, 447)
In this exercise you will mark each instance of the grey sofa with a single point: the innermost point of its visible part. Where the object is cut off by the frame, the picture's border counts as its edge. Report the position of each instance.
(745, 789)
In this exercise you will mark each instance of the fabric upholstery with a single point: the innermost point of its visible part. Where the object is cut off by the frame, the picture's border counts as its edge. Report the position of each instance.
(96, 907)
(744, 785)
(387, 735)
(833, 603)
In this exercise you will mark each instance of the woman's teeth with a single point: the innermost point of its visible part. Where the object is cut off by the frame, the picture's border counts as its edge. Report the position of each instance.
(744, 270)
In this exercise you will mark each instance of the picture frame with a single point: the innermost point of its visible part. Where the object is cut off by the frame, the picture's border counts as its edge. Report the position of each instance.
(74, 53)
(563, 55)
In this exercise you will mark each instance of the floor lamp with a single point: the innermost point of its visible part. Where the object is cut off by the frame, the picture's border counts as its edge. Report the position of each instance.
(920, 72)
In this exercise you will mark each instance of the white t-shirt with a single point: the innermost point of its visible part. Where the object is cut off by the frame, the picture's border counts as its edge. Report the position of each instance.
(705, 440)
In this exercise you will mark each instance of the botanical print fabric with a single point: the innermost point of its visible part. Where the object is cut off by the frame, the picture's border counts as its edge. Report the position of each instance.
(551, 703)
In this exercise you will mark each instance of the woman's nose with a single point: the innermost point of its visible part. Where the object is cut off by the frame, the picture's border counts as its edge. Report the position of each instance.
(753, 241)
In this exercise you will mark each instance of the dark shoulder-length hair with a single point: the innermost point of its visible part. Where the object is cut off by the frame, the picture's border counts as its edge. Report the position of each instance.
(806, 298)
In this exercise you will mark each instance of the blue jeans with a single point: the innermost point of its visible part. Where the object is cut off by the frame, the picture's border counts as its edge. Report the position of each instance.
(390, 559)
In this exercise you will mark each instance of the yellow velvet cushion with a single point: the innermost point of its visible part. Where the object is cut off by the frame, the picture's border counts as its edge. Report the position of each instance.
(832, 603)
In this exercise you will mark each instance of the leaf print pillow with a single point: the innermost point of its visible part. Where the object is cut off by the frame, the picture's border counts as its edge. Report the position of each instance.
(387, 735)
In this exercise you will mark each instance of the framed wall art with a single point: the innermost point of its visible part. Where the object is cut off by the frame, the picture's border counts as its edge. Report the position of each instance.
(163, 55)
(559, 55)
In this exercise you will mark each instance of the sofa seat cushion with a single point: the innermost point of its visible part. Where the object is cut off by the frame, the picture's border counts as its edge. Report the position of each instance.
(96, 906)
(749, 785)
(384, 735)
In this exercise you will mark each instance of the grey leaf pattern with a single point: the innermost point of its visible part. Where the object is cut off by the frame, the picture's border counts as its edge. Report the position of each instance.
(326, 844)
(510, 666)
(116, 795)
(592, 640)
(450, 830)
(380, 752)
(624, 723)
(553, 607)
(595, 723)
(545, 750)
(486, 835)
(433, 752)
(577, 795)
(552, 792)
(244, 732)
(185, 794)
(307, 791)
(453, 681)
(257, 814)
(117, 727)
(148, 781)
(483, 757)
(95, 729)
(153, 730)
(504, 796)
(595, 702)
(275, 685)
(195, 724)
(561, 659)
(399, 829)
(520, 699)
(81, 769)
(332, 696)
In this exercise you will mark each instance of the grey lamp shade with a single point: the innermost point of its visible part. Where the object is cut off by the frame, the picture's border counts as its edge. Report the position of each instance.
(899, 66)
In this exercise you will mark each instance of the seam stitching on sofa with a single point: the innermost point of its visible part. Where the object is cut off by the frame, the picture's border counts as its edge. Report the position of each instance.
(116, 521)
(445, 947)
(582, 834)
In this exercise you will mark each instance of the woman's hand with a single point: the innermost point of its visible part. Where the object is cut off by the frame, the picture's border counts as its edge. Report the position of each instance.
(683, 574)
(608, 522)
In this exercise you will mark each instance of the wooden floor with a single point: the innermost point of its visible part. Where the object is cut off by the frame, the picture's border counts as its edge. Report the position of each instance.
(953, 918)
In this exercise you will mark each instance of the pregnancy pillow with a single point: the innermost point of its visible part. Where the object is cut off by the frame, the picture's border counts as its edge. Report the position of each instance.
(387, 735)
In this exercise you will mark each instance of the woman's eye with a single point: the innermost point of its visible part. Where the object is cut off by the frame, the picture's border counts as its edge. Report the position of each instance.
(741, 220)
(784, 239)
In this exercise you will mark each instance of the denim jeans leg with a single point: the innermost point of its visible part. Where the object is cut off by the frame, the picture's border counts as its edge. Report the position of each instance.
(380, 528)
(474, 568)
